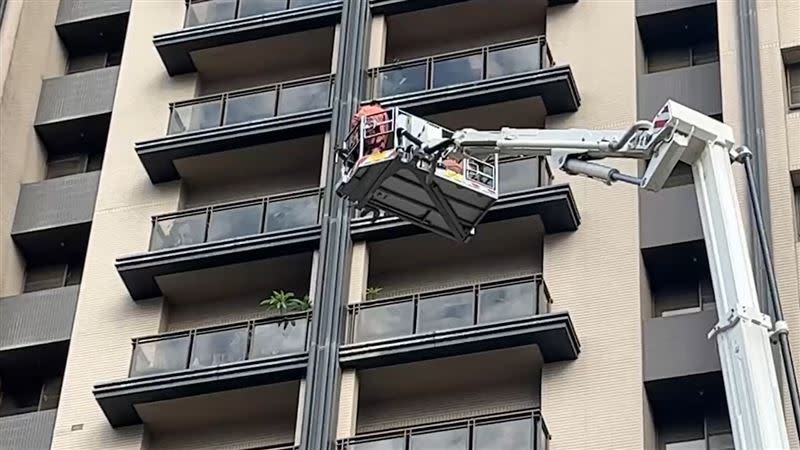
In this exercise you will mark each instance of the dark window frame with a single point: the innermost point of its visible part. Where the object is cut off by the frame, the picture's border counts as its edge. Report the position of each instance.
(794, 103)
(690, 52)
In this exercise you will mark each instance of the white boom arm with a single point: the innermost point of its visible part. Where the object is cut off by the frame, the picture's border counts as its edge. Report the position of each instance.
(682, 134)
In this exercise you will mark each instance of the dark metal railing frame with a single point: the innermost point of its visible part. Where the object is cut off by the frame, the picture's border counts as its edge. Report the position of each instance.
(223, 98)
(249, 325)
(238, 10)
(545, 61)
(469, 423)
(355, 308)
(209, 210)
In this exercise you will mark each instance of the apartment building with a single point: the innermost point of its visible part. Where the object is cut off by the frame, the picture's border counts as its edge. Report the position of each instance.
(168, 165)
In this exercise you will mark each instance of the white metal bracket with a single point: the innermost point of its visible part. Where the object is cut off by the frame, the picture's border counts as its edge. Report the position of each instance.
(741, 313)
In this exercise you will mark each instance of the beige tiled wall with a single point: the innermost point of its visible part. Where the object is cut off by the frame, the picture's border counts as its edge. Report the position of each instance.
(595, 402)
(37, 54)
(779, 27)
(106, 318)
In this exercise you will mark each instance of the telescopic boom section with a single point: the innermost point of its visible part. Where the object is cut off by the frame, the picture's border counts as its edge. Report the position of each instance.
(446, 181)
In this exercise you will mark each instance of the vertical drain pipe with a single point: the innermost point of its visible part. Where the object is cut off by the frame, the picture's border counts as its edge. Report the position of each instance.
(320, 401)
(753, 127)
(755, 139)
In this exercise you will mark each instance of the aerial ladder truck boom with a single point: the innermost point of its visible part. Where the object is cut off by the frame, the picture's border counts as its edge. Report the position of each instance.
(445, 181)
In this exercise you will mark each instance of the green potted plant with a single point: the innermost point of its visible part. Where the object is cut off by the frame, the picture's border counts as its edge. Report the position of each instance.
(372, 292)
(282, 303)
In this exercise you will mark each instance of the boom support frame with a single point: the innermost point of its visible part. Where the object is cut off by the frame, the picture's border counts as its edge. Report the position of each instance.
(677, 134)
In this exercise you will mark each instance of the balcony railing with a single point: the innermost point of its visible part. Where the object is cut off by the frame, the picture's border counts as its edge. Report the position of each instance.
(247, 105)
(524, 430)
(208, 347)
(232, 220)
(202, 12)
(464, 66)
(452, 308)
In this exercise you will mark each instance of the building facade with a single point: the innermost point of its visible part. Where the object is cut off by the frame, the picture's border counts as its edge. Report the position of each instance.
(168, 168)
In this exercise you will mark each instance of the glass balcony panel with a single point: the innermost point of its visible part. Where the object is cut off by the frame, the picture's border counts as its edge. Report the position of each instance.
(209, 11)
(178, 231)
(235, 222)
(197, 116)
(506, 302)
(246, 108)
(445, 312)
(520, 174)
(386, 321)
(464, 69)
(166, 355)
(542, 442)
(279, 338)
(513, 60)
(397, 443)
(292, 213)
(219, 347)
(513, 435)
(302, 3)
(441, 440)
(401, 80)
(249, 8)
(304, 97)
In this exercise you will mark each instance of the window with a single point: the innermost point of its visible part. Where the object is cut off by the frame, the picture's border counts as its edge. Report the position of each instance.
(92, 61)
(73, 164)
(669, 58)
(23, 394)
(51, 276)
(793, 81)
(680, 280)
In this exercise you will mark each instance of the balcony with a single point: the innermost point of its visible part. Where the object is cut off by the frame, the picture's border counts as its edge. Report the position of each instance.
(238, 119)
(649, 7)
(402, 6)
(54, 216)
(29, 431)
(525, 190)
(217, 23)
(74, 110)
(516, 430)
(697, 87)
(82, 23)
(458, 321)
(221, 235)
(37, 318)
(476, 77)
(205, 361)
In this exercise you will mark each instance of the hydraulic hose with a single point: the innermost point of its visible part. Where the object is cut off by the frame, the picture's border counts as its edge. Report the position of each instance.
(772, 284)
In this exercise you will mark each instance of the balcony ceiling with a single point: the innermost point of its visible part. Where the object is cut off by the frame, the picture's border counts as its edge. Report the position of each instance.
(273, 405)
(291, 272)
(456, 373)
(121, 400)
(254, 164)
(470, 24)
(177, 48)
(284, 57)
